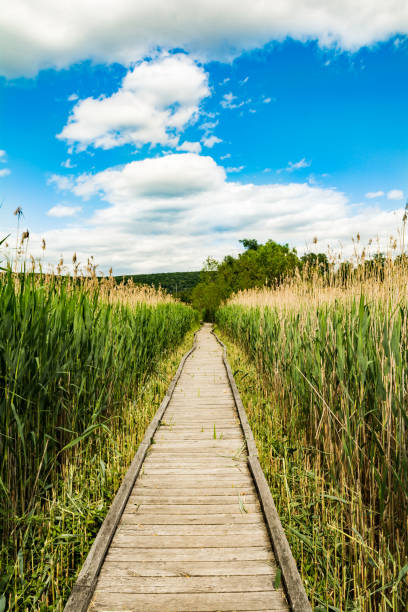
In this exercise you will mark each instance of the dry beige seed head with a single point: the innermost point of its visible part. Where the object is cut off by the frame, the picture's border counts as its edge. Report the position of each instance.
(43, 245)
(315, 240)
(358, 237)
(18, 212)
(24, 236)
(74, 258)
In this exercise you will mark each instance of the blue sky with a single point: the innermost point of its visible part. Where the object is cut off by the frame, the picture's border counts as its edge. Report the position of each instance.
(151, 158)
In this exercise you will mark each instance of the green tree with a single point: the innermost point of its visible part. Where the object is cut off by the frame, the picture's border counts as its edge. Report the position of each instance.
(259, 265)
(250, 244)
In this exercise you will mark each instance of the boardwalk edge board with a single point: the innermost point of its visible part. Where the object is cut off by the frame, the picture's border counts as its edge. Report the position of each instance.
(84, 586)
(291, 579)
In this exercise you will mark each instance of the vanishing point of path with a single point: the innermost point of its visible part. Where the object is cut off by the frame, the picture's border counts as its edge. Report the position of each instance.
(192, 535)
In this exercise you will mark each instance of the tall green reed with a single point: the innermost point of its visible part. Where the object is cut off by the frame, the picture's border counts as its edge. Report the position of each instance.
(340, 372)
(69, 362)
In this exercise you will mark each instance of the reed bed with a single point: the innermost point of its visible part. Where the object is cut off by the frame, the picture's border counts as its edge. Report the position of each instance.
(327, 397)
(82, 369)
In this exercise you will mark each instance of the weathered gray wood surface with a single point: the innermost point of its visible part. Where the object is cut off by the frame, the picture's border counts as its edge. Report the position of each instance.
(193, 526)
(192, 535)
(295, 590)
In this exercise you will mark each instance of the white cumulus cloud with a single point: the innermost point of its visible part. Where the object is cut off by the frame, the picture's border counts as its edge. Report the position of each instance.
(4, 172)
(156, 101)
(61, 210)
(395, 194)
(171, 212)
(36, 34)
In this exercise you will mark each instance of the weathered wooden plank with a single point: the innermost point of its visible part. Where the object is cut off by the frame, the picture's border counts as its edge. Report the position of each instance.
(192, 470)
(251, 553)
(192, 568)
(193, 509)
(189, 425)
(193, 530)
(218, 444)
(196, 499)
(191, 519)
(209, 488)
(207, 413)
(294, 586)
(214, 460)
(132, 539)
(220, 433)
(161, 494)
(185, 584)
(199, 420)
(196, 463)
(191, 602)
(186, 480)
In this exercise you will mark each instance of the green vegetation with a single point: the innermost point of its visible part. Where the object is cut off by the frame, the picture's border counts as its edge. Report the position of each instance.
(179, 284)
(322, 365)
(81, 373)
(260, 265)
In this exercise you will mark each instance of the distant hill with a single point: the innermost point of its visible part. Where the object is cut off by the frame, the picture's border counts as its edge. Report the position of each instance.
(176, 283)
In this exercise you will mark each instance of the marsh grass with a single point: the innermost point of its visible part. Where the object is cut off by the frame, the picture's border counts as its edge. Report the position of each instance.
(325, 384)
(83, 367)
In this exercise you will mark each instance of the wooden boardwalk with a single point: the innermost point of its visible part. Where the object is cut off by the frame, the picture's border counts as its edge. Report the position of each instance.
(193, 535)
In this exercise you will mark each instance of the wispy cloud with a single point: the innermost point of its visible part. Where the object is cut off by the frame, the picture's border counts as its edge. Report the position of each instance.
(292, 166)
(300, 164)
(228, 101)
(208, 125)
(63, 183)
(68, 164)
(370, 195)
(190, 147)
(61, 210)
(210, 141)
(233, 169)
(5, 172)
